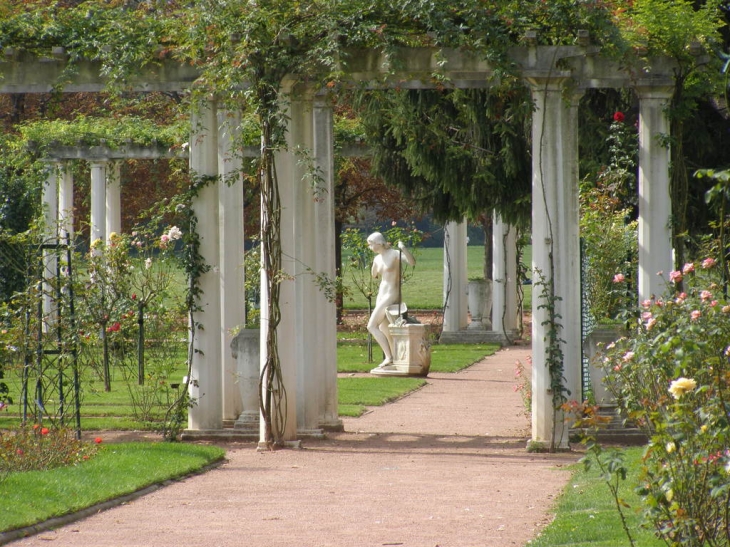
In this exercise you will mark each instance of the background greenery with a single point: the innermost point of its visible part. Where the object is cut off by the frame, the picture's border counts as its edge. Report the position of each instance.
(424, 290)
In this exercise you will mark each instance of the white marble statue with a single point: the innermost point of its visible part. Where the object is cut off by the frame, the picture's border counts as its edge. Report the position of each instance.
(386, 266)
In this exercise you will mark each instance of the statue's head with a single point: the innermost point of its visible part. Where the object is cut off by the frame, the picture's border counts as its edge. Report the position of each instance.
(377, 238)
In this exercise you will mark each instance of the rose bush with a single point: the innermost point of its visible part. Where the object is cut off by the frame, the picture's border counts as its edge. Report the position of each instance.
(671, 376)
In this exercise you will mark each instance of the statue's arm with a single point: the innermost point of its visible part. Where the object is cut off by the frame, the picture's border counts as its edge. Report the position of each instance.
(407, 254)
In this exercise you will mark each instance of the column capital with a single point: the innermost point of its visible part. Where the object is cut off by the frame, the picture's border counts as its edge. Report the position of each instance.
(656, 92)
(551, 84)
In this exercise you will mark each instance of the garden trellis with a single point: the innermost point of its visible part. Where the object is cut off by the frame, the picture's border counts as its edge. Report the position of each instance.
(45, 317)
(556, 76)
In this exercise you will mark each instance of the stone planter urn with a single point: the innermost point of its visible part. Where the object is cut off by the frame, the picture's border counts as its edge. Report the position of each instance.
(479, 297)
(598, 339)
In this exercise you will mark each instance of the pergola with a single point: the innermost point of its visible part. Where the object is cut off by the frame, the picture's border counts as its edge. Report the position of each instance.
(557, 77)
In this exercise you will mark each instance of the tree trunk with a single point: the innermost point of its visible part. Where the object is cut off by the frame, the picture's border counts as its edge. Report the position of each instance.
(339, 297)
(488, 228)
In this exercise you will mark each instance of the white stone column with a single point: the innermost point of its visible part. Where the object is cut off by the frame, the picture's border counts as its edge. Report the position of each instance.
(555, 252)
(50, 257)
(504, 269)
(286, 332)
(98, 201)
(304, 188)
(66, 202)
(206, 371)
(655, 205)
(113, 205)
(233, 294)
(324, 229)
(455, 277)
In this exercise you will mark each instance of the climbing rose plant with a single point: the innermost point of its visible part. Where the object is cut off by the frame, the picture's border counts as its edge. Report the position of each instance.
(671, 376)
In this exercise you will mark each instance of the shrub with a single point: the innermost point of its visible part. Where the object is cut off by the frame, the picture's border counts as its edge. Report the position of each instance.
(672, 377)
(38, 448)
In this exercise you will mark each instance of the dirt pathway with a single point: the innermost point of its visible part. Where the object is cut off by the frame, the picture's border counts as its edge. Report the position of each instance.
(445, 466)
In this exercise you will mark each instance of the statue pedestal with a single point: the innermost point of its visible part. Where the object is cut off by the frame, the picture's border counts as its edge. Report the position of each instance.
(411, 352)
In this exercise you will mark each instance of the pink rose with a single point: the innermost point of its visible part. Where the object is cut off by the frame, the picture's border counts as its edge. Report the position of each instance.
(708, 263)
(688, 268)
(675, 276)
(619, 278)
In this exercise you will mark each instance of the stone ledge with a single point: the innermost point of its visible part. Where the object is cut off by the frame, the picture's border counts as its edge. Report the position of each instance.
(473, 337)
(238, 435)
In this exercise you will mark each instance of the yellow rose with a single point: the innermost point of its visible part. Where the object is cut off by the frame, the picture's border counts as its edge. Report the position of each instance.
(680, 386)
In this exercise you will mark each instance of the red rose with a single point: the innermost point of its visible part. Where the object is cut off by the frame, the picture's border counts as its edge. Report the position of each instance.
(97, 440)
(618, 116)
(44, 431)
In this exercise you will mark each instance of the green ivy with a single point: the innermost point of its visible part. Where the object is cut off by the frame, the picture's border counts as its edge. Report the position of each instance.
(112, 132)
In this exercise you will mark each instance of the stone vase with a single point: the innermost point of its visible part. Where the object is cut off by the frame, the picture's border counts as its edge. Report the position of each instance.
(479, 297)
(599, 338)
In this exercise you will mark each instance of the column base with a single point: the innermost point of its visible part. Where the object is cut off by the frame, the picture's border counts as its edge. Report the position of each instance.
(333, 426)
(247, 422)
(475, 337)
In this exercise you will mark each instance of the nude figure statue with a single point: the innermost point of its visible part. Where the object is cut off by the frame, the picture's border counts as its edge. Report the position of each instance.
(386, 266)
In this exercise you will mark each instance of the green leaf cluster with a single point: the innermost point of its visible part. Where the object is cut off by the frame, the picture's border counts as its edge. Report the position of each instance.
(111, 132)
(457, 153)
(671, 377)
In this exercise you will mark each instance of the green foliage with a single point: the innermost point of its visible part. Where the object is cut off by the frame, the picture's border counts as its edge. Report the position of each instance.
(554, 357)
(672, 378)
(40, 448)
(252, 276)
(113, 132)
(20, 198)
(116, 470)
(670, 28)
(557, 22)
(456, 153)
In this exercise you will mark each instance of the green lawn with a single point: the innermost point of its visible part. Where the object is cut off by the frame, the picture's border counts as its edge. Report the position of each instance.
(118, 469)
(586, 513)
(353, 356)
(114, 410)
(424, 290)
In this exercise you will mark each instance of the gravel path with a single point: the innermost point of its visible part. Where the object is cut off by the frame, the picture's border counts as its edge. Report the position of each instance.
(444, 466)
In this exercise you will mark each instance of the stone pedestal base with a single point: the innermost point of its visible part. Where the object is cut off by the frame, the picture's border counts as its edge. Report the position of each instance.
(411, 352)
(248, 421)
(467, 336)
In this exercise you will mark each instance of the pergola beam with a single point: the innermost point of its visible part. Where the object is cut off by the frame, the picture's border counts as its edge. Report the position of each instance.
(411, 68)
